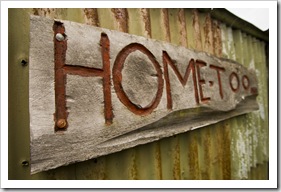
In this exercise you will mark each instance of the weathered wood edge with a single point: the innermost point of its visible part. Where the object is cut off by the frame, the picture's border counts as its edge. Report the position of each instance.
(144, 135)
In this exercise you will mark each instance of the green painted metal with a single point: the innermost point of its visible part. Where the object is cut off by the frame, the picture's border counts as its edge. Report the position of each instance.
(236, 148)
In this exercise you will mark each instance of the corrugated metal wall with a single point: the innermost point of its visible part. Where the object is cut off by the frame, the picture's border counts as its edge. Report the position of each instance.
(232, 149)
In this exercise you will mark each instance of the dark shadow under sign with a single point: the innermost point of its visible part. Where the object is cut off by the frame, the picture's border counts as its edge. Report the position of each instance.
(95, 91)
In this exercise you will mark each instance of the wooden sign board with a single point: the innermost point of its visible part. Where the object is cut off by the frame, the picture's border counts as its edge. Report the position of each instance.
(94, 91)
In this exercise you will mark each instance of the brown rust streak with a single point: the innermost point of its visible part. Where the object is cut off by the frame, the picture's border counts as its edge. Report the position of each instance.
(207, 152)
(183, 37)
(176, 168)
(208, 34)
(165, 16)
(197, 34)
(193, 155)
(91, 15)
(60, 48)
(44, 11)
(226, 161)
(146, 19)
(158, 161)
(217, 38)
(121, 16)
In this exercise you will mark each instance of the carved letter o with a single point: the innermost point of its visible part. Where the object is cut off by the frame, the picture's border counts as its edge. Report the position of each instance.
(117, 79)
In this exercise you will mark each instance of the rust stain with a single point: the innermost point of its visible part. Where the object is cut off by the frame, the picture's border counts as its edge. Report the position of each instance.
(176, 167)
(165, 17)
(207, 154)
(217, 38)
(196, 27)
(226, 156)
(42, 11)
(183, 37)
(47, 12)
(193, 155)
(91, 16)
(219, 150)
(158, 161)
(121, 16)
(146, 19)
(133, 166)
(208, 34)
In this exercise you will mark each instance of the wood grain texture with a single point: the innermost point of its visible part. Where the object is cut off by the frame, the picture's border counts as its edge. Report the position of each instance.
(87, 135)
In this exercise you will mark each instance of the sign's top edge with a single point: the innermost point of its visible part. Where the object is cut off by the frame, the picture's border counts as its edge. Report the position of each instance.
(143, 37)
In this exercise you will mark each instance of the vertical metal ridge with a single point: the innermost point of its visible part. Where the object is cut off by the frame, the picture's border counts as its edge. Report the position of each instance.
(121, 16)
(265, 99)
(226, 162)
(193, 154)
(197, 30)
(181, 19)
(245, 120)
(165, 21)
(159, 161)
(217, 38)
(91, 16)
(176, 162)
(229, 169)
(145, 13)
(260, 98)
(208, 33)
(206, 152)
(217, 141)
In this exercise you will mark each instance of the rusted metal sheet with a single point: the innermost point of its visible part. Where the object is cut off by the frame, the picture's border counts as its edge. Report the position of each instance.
(111, 85)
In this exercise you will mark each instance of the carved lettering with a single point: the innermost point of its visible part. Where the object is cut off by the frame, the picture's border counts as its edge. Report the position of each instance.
(234, 82)
(199, 64)
(62, 70)
(245, 82)
(219, 69)
(117, 79)
(191, 67)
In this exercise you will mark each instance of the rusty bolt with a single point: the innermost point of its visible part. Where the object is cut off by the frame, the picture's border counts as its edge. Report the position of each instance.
(25, 163)
(24, 62)
(59, 37)
(61, 123)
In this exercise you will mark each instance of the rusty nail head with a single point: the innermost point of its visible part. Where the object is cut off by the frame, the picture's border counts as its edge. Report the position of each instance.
(59, 37)
(61, 123)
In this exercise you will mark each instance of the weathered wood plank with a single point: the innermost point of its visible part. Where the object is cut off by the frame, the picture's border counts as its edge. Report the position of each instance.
(121, 90)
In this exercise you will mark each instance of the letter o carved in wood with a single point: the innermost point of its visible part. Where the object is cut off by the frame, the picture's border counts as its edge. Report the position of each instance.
(117, 79)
